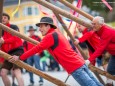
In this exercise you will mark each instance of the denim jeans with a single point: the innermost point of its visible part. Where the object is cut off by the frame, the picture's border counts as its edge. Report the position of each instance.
(99, 61)
(84, 77)
(111, 65)
(35, 59)
(44, 65)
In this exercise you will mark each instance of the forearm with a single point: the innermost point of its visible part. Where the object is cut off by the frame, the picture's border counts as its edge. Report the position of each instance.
(85, 37)
(29, 53)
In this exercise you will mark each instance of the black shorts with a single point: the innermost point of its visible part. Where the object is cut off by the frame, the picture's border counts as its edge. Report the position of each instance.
(7, 65)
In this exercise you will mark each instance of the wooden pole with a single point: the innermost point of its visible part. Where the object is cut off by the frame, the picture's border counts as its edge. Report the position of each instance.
(76, 9)
(68, 15)
(79, 48)
(63, 12)
(1, 10)
(35, 71)
(93, 68)
(16, 33)
(90, 17)
(13, 32)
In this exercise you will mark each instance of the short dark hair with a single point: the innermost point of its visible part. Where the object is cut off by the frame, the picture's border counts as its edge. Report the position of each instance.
(5, 14)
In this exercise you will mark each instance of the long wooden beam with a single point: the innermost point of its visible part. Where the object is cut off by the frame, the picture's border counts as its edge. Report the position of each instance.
(79, 48)
(13, 32)
(68, 15)
(33, 70)
(91, 67)
(63, 12)
(90, 17)
(76, 9)
(1, 10)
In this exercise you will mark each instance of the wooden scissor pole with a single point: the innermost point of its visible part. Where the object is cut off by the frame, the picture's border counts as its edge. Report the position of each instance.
(13, 32)
(1, 10)
(93, 68)
(76, 9)
(63, 13)
(35, 71)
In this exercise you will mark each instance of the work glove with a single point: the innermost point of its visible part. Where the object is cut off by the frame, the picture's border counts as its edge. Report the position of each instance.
(87, 62)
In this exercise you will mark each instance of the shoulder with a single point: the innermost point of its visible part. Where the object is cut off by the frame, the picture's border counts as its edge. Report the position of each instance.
(49, 36)
(37, 37)
(14, 27)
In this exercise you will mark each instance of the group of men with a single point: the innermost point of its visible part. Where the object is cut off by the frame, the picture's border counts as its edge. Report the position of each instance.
(61, 50)
(100, 42)
(14, 46)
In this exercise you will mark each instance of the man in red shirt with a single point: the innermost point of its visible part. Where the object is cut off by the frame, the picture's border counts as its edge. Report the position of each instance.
(13, 46)
(61, 50)
(107, 37)
(92, 40)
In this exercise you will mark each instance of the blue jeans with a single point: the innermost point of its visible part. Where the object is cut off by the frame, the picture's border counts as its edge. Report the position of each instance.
(35, 59)
(44, 65)
(99, 61)
(84, 77)
(111, 65)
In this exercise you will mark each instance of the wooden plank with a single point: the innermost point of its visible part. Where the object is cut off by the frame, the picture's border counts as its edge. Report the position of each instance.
(1, 10)
(33, 70)
(13, 32)
(76, 9)
(63, 13)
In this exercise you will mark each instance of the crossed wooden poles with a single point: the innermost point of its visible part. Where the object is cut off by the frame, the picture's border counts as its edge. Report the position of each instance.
(35, 71)
(1, 10)
(66, 29)
(78, 20)
(24, 65)
(31, 69)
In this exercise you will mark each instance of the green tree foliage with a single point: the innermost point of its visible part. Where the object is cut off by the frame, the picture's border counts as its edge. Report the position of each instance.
(97, 5)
